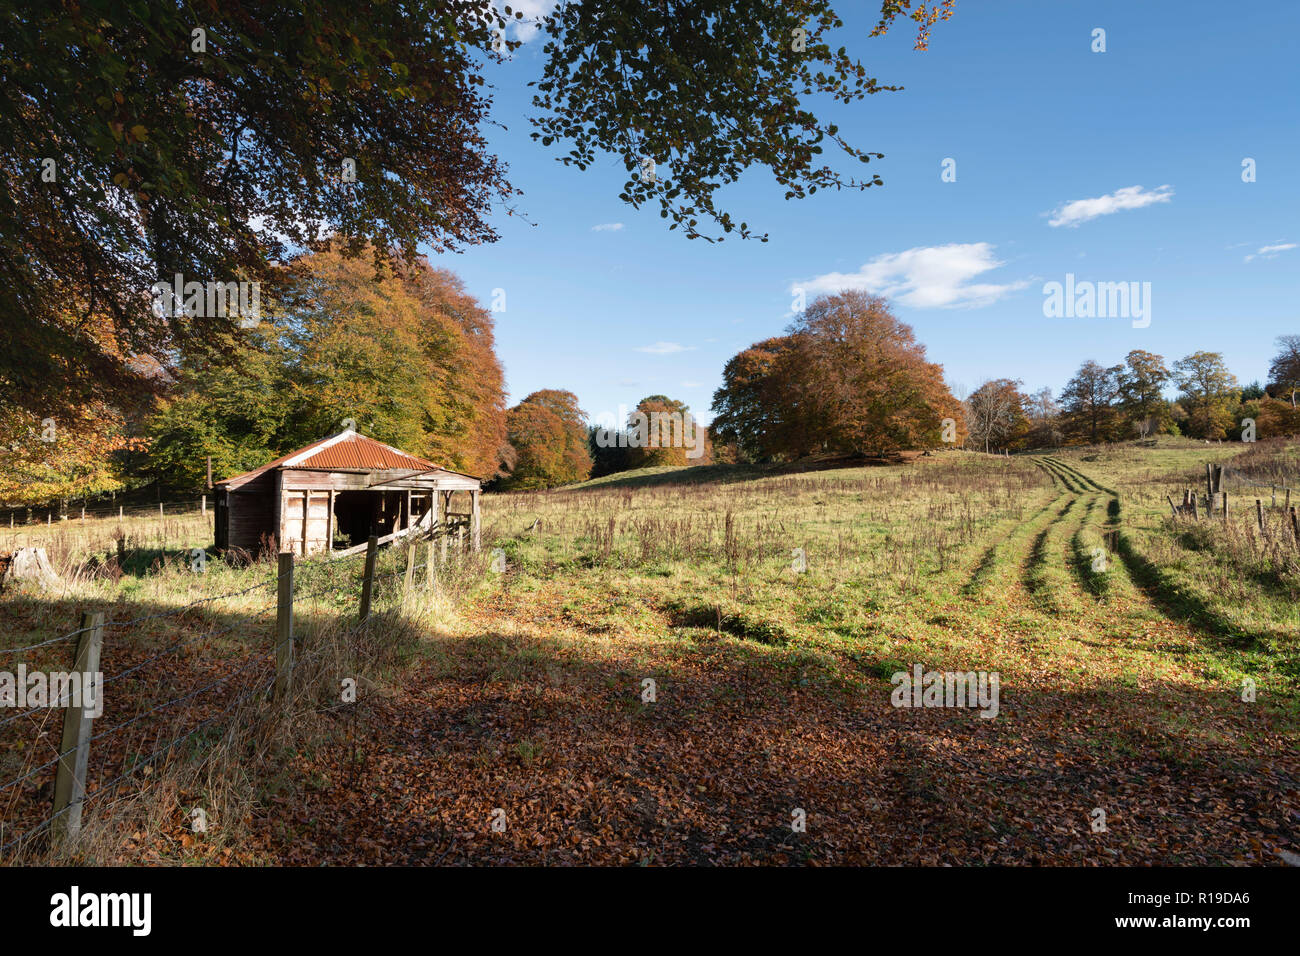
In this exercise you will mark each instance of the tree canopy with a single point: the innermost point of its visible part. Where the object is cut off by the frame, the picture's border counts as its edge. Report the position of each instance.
(547, 433)
(849, 378)
(215, 142)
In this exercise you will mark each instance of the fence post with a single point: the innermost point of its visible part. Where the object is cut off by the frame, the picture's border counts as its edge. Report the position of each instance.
(1295, 528)
(70, 779)
(1225, 507)
(204, 505)
(1172, 506)
(410, 571)
(119, 512)
(372, 548)
(430, 581)
(1259, 514)
(160, 510)
(1209, 481)
(284, 627)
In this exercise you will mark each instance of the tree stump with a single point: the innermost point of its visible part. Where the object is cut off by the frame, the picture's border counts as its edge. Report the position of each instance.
(28, 564)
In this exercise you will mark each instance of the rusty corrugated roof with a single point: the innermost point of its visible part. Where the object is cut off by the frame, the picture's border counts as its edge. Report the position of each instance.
(360, 452)
(346, 451)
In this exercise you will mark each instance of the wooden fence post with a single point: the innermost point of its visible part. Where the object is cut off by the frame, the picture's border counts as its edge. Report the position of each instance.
(204, 505)
(284, 627)
(160, 510)
(410, 571)
(1259, 514)
(70, 778)
(431, 579)
(1295, 528)
(119, 512)
(1195, 514)
(1172, 506)
(372, 548)
(1209, 481)
(1225, 507)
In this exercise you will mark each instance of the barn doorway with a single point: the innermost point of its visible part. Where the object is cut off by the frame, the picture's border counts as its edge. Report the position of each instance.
(354, 514)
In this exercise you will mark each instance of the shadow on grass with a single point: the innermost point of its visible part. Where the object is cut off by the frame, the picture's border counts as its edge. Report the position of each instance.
(730, 474)
(1163, 590)
(558, 733)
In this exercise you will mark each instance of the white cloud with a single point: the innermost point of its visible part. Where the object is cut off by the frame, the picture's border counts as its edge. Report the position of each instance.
(664, 348)
(928, 277)
(607, 227)
(534, 12)
(692, 384)
(1268, 252)
(1130, 197)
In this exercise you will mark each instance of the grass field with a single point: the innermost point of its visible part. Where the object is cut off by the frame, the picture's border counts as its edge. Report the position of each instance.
(770, 609)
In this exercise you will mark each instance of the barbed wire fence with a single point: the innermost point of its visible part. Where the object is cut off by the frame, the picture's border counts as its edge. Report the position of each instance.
(22, 516)
(1217, 501)
(144, 738)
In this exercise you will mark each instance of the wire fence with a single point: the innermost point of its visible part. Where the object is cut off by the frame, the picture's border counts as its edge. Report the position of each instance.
(1274, 486)
(141, 738)
(21, 516)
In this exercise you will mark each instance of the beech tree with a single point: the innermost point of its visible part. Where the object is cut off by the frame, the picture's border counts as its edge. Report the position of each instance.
(547, 433)
(1139, 383)
(752, 408)
(144, 141)
(1088, 402)
(1208, 392)
(403, 355)
(850, 378)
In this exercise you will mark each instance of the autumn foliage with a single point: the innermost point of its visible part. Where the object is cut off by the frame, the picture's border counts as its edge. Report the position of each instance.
(547, 433)
(848, 378)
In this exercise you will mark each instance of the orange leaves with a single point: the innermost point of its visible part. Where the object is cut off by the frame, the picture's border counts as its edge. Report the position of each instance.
(926, 15)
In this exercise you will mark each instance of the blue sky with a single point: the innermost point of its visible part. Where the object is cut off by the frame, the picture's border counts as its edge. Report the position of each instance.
(1152, 132)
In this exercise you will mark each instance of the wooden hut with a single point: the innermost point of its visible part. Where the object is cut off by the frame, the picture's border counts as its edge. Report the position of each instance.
(332, 495)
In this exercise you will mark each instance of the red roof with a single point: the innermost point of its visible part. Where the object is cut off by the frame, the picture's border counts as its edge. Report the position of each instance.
(346, 451)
